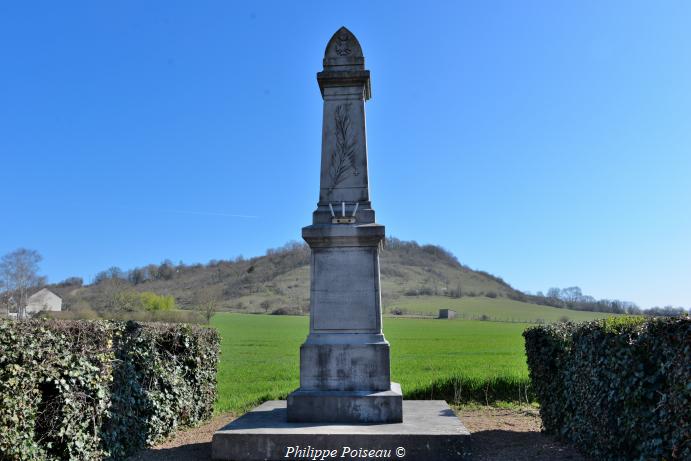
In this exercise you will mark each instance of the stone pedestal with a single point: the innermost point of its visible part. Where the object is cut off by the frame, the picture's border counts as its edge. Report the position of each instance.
(346, 406)
(345, 362)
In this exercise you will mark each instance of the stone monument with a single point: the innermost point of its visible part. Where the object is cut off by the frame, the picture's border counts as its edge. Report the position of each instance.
(344, 363)
(346, 405)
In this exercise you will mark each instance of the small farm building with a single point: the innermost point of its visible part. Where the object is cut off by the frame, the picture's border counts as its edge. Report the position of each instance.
(447, 314)
(43, 300)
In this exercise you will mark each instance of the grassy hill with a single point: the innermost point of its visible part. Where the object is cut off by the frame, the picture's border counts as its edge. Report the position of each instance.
(483, 308)
(416, 280)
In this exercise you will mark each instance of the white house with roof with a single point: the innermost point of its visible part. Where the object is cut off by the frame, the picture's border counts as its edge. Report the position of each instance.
(43, 300)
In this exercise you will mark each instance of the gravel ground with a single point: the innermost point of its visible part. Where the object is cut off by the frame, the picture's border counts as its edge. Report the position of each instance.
(509, 434)
(497, 434)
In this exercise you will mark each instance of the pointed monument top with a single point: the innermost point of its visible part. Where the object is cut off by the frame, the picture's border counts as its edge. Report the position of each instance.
(343, 52)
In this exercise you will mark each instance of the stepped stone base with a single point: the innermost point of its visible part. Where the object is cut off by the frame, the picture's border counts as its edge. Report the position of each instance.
(429, 431)
(346, 406)
(345, 367)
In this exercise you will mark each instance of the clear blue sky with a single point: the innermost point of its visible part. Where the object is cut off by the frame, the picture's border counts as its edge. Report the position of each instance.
(546, 142)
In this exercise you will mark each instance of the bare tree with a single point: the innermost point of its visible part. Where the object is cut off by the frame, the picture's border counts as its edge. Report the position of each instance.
(5, 298)
(266, 305)
(554, 293)
(19, 273)
(207, 300)
(114, 296)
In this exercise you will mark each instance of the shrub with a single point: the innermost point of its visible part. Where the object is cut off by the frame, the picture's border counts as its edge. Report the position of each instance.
(53, 389)
(153, 302)
(100, 389)
(79, 311)
(172, 316)
(86, 313)
(518, 296)
(426, 291)
(617, 388)
(294, 310)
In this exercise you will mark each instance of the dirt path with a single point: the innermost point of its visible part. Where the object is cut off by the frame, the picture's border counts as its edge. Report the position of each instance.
(508, 434)
(497, 434)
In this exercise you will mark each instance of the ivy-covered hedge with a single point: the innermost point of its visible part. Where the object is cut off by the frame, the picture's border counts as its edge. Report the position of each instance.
(618, 388)
(100, 389)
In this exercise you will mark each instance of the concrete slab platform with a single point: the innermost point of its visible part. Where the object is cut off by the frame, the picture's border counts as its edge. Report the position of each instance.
(430, 431)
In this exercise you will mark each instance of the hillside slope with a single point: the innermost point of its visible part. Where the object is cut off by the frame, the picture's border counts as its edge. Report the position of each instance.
(483, 308)
(280, 279)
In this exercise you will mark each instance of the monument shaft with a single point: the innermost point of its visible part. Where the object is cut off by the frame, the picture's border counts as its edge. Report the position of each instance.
(344, 363)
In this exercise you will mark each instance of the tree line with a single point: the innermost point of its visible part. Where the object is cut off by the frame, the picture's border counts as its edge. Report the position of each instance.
(237, 277)
(573, 298)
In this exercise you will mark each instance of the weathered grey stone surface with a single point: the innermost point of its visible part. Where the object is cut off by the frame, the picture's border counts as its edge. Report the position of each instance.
(344, 367)
(430, 431)
(345, 277)
(345, 86)
(346, 406)
(344, 363)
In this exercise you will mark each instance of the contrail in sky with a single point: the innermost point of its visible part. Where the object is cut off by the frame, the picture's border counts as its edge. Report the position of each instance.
(206, 213)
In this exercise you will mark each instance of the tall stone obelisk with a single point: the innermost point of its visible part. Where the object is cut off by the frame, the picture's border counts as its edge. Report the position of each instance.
(344, 363)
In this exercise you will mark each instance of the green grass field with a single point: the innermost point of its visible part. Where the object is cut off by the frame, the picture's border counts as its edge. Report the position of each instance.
(500, 309)
(430, 358)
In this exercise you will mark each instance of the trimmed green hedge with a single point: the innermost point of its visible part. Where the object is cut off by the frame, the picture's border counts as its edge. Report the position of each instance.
(618, 388)
(100, 389)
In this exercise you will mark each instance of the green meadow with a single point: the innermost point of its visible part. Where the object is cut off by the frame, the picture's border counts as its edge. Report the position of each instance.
(460, 360)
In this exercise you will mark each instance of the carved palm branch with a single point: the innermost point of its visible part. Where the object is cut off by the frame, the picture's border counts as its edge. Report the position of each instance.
(343, 154)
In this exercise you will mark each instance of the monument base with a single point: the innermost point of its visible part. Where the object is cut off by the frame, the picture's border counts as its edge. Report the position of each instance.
(430, 431)
(316, 406)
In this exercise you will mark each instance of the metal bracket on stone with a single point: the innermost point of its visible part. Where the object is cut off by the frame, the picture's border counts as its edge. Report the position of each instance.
(343, 219)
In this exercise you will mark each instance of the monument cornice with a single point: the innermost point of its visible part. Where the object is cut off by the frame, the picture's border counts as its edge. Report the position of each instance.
(343, 235)
(328, 79)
